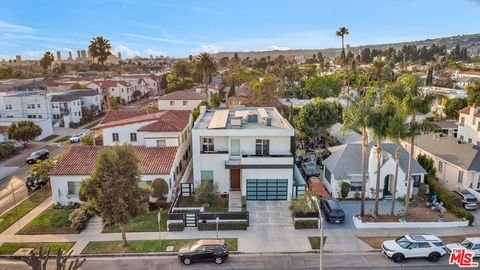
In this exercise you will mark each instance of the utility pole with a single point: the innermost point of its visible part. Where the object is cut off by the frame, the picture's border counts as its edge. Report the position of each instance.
(320, 225)
(159, 218)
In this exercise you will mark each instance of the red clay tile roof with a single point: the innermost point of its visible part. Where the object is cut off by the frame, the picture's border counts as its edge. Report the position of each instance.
(3, 129)
(465, 110)
(80, 160)
(183, 95)
(164, 120)
(317, 186)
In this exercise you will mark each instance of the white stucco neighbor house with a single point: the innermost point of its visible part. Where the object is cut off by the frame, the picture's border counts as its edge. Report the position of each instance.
(180, 100)
(469, 124)
(246, 150)
(344, 165)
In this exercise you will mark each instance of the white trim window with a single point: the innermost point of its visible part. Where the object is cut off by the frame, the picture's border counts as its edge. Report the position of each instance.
(115, 137)
(73, 188)
(460, 176)
(208, 145)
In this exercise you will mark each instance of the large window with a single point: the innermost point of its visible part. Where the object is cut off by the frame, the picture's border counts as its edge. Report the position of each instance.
(460, 176)
(235, 147)
(207, 145)
(73, 188)
(206, 175)
(133, 137)
(262, 147)
(115, 137)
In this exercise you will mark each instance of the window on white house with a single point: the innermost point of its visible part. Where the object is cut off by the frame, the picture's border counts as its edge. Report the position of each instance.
(161, 143)
(133, 137)
(462, 121)
(469, 140)
(172, 103)
(206, 175)
(262, 147)
(73, 188)
(356, 186)
(185, 103)
(460, 176)
(440, 166)
(207, 145)
(8, 107)
(115, 137)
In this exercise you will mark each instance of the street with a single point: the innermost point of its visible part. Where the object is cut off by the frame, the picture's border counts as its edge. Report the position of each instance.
(305, 261)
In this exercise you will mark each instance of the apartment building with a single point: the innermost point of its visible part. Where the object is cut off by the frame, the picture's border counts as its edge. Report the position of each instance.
(244, 149)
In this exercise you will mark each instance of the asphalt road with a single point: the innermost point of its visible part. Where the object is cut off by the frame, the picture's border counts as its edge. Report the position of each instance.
(254, 262)
(17, 179)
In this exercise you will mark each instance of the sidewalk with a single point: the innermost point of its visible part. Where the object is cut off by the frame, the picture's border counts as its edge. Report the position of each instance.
(399, 232)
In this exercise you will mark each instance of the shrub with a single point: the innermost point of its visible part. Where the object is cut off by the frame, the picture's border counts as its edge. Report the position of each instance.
(79, 219)
(356, 196)
(159, 189)
(448, 197)
(306, 224)
(7, 149)
(176, 227)
(344, 189)
(224, 226)
(463, 213)
(302, 204)
(206, 193)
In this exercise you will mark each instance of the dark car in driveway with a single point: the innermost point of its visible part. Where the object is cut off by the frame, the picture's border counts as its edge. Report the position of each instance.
(41, 154)
(204, 250)
(332, 210)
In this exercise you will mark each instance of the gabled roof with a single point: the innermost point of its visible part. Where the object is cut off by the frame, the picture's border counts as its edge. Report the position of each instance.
(183, 95)
(80, 160)
(161, 121)
(108, 84)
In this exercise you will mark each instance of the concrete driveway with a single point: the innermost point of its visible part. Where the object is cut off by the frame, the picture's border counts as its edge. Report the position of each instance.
(269, 213)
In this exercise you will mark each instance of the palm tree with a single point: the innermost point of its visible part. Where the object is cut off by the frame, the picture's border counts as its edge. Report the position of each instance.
(379, 124)
(46, 61)
(342, 32)
(411, 100)
(357, 117)
(100, 48)
(378, 67)
(207, 65)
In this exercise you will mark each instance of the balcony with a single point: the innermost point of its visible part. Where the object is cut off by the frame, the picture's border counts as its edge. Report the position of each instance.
(260, 162)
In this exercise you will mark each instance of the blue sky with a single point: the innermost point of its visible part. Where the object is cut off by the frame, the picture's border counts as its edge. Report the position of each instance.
(183, 27)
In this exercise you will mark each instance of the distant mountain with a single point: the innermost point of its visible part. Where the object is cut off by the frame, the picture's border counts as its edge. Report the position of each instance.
(472, 42)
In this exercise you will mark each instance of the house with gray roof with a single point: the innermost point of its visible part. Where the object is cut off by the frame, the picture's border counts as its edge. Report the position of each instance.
(457, 162)
(344, 165)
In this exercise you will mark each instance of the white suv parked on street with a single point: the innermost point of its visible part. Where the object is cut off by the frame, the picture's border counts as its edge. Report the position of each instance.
(414, 246)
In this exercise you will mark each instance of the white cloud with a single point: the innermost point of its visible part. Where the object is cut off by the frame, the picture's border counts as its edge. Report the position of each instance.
(32, 54)
(279, 48)
(210, 48)
(126, 51)
(15, 28)
(153, 52)
(68, 49)
(167, 40)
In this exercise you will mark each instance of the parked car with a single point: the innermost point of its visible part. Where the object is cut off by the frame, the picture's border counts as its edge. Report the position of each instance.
(33, 183)
(471, 244)
(332, 210)
(204, 250)
(469, 200)
(76, 138)
(41, 154)
(310, 168)
(414, 246)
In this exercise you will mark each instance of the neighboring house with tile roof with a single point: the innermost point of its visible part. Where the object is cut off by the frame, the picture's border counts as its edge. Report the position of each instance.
(187, 99)
(3, 133)
(469, 124)
(79, 161)
(121, 90)
(344, 166)
(457, 162)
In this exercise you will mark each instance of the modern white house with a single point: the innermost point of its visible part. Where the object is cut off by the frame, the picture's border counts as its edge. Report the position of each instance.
(344, 165)
(457, 162)
(79, 161)
(180, 100)
(469, 124)
(246, 150)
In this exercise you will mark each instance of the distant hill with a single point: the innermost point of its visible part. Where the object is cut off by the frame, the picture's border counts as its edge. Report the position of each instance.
(472, 42)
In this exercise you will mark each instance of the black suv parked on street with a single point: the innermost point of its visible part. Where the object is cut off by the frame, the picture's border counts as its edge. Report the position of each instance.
(204, 250)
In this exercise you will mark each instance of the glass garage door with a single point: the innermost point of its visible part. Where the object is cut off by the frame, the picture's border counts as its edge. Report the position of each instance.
(267, 189)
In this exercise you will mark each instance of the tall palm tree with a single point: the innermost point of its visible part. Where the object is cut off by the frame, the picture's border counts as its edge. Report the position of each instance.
(342, 32)
(378, 68)
(206, 63)
(100, 48)
(411, 100)
(46, 61)
(379, 125)
(357, 117)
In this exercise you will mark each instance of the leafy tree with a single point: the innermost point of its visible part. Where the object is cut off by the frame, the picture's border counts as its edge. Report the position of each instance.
(41, 169)
(159, 188)
(473, 93)
(315, 118)
(182, 69)
(321, 86)
(452, 106)
(87, 139)
(206, 193)
(214, 100)
(115, 167)
(46, 61)
(263, 92)
(24, 131)
(196, 111)
(113, 102)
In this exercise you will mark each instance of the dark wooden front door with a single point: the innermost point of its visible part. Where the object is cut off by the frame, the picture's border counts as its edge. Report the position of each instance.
(234, 179)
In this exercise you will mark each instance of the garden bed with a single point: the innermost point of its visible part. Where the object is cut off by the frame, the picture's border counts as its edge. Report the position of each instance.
(50, 221)
(376, 241)
(315, 241)
(219, 205)
(143, 246)
(144, 223)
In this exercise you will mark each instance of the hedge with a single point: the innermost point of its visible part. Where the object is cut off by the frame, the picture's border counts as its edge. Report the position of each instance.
(224, 226)
(7, 149)
(306, 224)
(176, 227)
(463, 213)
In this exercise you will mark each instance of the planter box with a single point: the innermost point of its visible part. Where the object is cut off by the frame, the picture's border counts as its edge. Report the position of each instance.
(359, 224)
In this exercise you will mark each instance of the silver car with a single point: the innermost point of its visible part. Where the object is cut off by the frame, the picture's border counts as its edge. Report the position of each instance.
(469, 200)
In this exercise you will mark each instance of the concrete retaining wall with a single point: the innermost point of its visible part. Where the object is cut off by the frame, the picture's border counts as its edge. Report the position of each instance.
(359, 224)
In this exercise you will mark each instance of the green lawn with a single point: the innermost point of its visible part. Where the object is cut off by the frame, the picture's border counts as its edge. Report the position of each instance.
(143, 223)
(23, 208)
(220, 205)
(92, 124)
(141, 246)
(315, 241)
(50, 221)
(63, 139)
(10, 248)
(49, 138)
